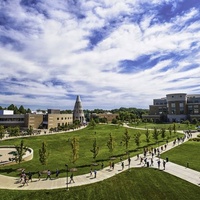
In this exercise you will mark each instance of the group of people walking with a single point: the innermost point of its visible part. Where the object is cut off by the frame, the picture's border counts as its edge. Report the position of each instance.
(25, 178)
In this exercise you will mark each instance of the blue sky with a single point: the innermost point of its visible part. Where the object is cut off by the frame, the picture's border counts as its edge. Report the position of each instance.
(113, 53)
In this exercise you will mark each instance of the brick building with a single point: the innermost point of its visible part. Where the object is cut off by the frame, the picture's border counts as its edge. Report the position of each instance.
(175, 108)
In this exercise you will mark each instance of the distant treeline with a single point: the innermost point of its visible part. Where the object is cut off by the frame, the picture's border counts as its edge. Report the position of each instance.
(17, 110)
(123, 112)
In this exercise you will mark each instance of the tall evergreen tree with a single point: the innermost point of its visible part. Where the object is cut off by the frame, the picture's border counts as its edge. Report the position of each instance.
(28, 110)
(22, 110)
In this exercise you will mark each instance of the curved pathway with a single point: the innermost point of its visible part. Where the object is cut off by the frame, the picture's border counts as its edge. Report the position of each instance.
(187, 174)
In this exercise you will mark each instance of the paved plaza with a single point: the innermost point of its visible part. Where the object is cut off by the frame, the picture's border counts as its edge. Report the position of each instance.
(182, 172)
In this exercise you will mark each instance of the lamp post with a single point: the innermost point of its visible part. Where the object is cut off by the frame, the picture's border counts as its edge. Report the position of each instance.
(67, 176)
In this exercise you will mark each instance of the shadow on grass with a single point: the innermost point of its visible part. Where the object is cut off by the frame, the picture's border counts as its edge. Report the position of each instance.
(8, 170)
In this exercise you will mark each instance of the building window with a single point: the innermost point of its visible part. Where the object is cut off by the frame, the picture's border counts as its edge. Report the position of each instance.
(173, 105)
(181, 105)
(58, 118)
(190, 110)
(181, 111)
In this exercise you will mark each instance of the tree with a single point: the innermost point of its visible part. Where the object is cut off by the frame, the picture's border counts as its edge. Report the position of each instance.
(120, 123)
(75, 149)
(43, 154)
(195, 121)
(147, 134)
(163, 133)
(170, 130)
(174, 128)
(11, 107)
(103, 120)
(22, 110)
(92, 123)
(14, 108)
(13, 131)
(30, 130)
(21, 151)
(126, 138)
(28, 110)
(77, 123)
(2, 132)
(95, 149)
(155, 134)
(114, 121)
(137, 138)
(110, 143)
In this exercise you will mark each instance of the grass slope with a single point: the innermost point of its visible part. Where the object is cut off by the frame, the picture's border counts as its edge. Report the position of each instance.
(185, 153)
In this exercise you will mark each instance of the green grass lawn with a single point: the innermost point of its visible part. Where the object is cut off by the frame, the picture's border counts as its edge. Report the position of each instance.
(188, 152)
(138, 184)
(60, 149)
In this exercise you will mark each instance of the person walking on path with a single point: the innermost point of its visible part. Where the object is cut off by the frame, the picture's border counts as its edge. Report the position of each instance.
(113, 165)
(129, 161)
(29, 176)
(95, 173)
(25, 180)
(57, 173)
(91, 172)
(141, 160)
(122, 165)
(164, 164)
(72, 178)
(39, 175)
(151, 161)
(48, 174)
(158, 164)
(102, 165)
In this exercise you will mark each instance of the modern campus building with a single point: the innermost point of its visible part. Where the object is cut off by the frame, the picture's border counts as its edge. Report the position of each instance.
(52, 119)
(175, 108)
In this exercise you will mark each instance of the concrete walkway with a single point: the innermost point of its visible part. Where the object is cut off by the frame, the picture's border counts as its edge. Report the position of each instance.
(187, 174)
